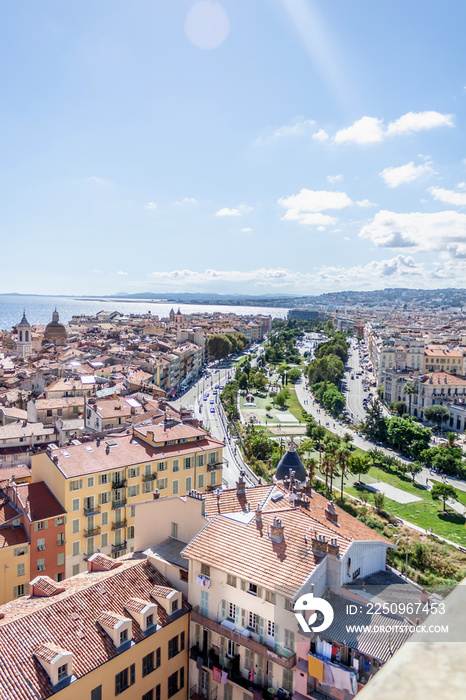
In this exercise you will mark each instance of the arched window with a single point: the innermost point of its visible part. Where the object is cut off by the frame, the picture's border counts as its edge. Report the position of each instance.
(21, 336)
(26, 336)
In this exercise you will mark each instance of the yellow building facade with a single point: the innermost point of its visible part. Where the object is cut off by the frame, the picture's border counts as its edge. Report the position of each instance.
(99, 483)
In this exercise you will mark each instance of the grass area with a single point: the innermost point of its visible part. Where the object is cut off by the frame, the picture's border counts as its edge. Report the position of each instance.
(294, 406)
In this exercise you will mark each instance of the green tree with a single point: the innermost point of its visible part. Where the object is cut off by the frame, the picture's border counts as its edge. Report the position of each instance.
(282, 397)
(294, 375)
(333, 400)
(343, 456)
(379, 500)
(442, 492)
(414, 468)
(359, 464)
(436, 414)
(375, 425)
(409, 390)
(218, 346)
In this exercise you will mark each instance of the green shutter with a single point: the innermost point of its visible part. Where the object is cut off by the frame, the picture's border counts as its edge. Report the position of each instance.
(261, 629)
(237, 614)
(243, 618)
(224, 609)
(243, 585)
(259, 592)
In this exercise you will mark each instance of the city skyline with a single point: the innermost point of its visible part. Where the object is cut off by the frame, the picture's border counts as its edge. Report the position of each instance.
(236, 148)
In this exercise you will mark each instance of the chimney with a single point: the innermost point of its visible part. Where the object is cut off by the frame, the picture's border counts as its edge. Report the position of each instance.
(258, 515)
(107, 450)
(331, 513)
(319, 545)
(97, 442)
(303, 501)
(156, 494)
(277, 531)
(241, 484)
(333, 547)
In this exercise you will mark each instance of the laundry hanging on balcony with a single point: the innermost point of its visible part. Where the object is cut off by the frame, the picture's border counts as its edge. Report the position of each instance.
(203, 580)
(217, 674)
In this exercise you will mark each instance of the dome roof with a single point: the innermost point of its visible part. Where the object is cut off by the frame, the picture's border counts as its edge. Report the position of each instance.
(290, 461)
(54, 330)
(24, 321)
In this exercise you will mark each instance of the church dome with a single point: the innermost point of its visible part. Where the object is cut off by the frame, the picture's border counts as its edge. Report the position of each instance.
(290, 461)
(55, 331)
(24, 323)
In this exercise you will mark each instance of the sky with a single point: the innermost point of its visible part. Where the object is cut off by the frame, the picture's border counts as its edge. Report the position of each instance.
(250, 147)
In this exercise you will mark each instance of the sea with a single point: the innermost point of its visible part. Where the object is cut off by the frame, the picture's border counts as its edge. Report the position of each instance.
(39, 309)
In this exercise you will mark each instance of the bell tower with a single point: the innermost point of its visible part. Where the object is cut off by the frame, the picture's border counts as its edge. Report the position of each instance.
(24, 341)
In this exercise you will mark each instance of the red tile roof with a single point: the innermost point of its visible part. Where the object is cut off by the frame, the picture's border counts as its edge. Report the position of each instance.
(38, 501)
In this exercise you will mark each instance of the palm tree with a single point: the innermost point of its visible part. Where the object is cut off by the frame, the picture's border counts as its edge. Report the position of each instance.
(312, 466)
(409, 390)
(451, 439)
(343, 455)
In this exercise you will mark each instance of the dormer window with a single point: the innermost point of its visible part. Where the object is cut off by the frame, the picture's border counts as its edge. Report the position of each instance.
(123, 636)
(175, 605)
(62, 672)
(252, 588)
(149, 620)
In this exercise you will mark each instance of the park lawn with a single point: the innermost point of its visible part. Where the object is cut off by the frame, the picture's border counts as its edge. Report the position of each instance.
(294, 406)
(426, 514)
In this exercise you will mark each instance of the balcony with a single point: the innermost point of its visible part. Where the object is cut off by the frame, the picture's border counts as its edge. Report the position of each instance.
(214, 465)
(277, 657)
(118, 547)
(149, 477)
(119, 504)
(91, 532)
(93, 510)
(118, 525)
(119, 484)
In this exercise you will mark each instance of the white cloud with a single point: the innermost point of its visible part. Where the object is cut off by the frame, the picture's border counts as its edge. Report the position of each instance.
(365, 130)
(187, 200)
(419, 121)
(93, 179)
(246, 230)
(458, 199)
(228, 212)
(120, 272)
(443, 231)
(320, 135)
(98, 272)
(300, 127)
(306, 207)
(461, 186)
(402, 174)
(334, 178)
(371, 130)
(150, 206)
(365, 203)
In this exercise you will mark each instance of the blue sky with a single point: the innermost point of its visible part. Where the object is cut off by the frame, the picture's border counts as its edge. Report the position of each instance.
(264, 146)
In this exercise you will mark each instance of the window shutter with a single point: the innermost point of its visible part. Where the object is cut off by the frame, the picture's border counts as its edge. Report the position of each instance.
(243, 617)
(259, 592)
(243, 585)
(46, 524)
(35, 527)
(276, 636)
(237, 614)
(197, 633)
(224, 609)
(261, 629)
(222, 646)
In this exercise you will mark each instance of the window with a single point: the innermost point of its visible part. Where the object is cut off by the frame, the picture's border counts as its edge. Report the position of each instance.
(213, 478)
(61, 559)
(124, 679)
(230, 647)
(182, 641)
(149, 695)
(75, 549)
(205, 569)
(104, 497)
(200, 460)
(187, 462)
(287, 680)
(162, 466)
(133, 491)
(174, 606)
(133, 472)
(175, 490)
(75, 504)
(271, 628)
(231, 580)
(21, 569)
(173, 684)
(158, 653)
(75, 526)
(157, 692)
(104, 540)
(61, 538)
(213, 458)
(174, 531)
(173, 647)
(162, 484)
(182, 677)
(251, 621)
(132, 511)
(149, 621)
(148, 486)
(231, 611)
(123, 636)
(20, 590)
(75, 569)
(131, 532)
(19, 551)
(40, 544)
(252, 588)
(40, 564)
(200, 481)
(76, 484)
(288, 604)
(59, 521)
(103, 478)
(289, 640)
(90, 482)
(176, 465)
(96, 693)
(62, 672)
(104, 518)
(188, 484)
(270, 597)
(49, 412)
(41, 525)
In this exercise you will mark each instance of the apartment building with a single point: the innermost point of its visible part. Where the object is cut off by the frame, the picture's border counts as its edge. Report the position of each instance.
(98, 483)
(119, 630)
(105, 414)
(439, 358)
(17, 439)
(47, 411)
(248, 566)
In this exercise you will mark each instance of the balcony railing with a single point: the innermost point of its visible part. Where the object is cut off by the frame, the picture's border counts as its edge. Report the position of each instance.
(91, 532)
(119, 484)
(119, 504)
(149, 477)
(118, 525)
(92, 510)
(277, 656)
(118, 547)
(214, 465)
